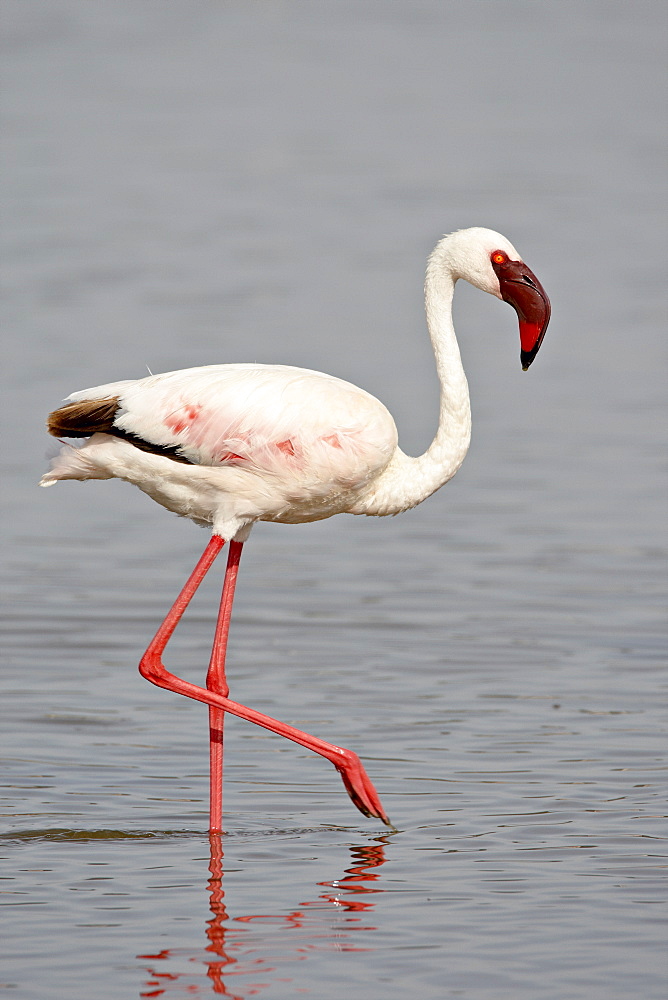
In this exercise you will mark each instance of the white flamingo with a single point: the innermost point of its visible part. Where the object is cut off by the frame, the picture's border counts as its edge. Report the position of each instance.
(229, 445)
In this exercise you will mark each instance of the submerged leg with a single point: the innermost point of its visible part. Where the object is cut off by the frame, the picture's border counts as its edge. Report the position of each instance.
(216, 681)
(347, 763)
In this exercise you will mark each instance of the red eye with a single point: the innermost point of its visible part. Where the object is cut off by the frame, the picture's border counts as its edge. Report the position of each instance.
(499, 257)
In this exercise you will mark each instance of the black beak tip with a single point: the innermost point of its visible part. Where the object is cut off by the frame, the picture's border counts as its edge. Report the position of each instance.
(526, 357)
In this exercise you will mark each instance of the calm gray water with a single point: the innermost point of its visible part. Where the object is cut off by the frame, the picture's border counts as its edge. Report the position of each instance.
(192, 182)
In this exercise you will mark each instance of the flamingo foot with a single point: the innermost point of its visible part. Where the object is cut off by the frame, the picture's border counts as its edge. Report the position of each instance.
(360, 788)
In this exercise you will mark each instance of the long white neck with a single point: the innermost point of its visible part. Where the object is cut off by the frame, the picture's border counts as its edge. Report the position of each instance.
(407, 481)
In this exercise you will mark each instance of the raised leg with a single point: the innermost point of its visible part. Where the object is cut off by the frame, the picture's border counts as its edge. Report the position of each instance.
(216, 681)
(347, 763)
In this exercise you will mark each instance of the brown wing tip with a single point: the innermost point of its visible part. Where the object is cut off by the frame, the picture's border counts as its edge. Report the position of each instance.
(81, 419)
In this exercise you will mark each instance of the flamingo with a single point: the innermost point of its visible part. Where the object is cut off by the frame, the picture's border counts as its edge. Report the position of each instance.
(228, 445)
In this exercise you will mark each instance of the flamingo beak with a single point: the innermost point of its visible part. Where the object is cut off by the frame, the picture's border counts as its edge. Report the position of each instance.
(521, 288)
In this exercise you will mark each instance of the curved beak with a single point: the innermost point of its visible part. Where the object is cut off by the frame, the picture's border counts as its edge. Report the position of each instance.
(522, 289)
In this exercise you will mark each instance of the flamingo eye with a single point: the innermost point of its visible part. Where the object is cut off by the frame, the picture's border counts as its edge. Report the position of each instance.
(499, 257)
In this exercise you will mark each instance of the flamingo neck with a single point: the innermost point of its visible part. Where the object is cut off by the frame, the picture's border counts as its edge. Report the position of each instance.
(408, 481)
(451, 443)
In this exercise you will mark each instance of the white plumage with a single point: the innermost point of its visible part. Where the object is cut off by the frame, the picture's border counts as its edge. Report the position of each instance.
(266, 442)
(275, 443)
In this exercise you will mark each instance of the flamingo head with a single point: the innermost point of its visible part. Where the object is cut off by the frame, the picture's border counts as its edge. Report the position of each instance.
(490, 262)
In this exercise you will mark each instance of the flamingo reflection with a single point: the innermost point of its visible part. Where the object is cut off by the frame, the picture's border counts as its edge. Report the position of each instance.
(232, 951)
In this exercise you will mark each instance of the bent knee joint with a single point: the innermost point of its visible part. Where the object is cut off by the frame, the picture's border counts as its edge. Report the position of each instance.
(151, 668)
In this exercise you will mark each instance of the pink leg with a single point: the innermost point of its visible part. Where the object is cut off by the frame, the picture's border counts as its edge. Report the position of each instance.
(216, 681)
(347, 763)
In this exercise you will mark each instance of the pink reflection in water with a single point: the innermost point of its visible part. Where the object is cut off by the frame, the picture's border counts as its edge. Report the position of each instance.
(259, 955)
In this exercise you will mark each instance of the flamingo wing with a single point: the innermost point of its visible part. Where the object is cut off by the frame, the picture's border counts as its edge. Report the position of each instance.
(264, 418)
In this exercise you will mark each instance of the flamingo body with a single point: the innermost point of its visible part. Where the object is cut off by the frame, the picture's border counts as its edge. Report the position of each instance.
(252, 442)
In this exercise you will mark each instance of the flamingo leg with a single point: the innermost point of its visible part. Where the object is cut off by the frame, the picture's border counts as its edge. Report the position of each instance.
(216, 681)
(355, 779)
